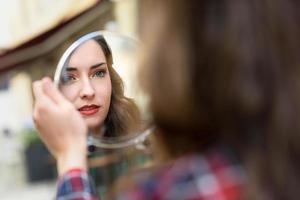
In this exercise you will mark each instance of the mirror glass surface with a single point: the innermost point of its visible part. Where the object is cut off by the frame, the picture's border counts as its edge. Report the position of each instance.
(97, 74)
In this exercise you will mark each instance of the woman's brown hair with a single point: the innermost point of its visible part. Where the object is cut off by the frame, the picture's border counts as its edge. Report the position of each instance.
(227, 71)
(123, 117)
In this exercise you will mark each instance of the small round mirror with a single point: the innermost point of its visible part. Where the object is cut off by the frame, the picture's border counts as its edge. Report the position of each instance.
(97, 75)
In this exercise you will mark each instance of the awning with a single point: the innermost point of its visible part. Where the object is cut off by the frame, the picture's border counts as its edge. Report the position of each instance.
(51, 37)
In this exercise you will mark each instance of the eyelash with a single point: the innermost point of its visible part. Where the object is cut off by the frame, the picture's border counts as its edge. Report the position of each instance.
(68, 78)
(97, 73)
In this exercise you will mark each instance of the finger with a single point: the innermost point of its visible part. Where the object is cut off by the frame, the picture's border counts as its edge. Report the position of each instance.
(42, 102)
(52, 92)
(39, 95)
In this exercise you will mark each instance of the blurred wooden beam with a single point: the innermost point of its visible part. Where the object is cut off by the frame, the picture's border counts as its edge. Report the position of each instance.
(48, 41)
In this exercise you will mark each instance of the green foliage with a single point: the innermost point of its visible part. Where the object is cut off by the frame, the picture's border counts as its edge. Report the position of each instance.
(30, 137)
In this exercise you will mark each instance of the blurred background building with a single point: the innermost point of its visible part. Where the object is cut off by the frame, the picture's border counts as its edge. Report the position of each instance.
(34, 34)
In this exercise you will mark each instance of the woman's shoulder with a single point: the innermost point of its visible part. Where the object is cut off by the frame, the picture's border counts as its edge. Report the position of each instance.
(214, 174)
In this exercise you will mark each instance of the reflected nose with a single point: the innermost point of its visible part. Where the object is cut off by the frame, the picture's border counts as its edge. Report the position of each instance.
(87, 90)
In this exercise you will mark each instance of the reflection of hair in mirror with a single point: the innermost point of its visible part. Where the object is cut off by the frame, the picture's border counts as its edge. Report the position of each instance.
(124, 116)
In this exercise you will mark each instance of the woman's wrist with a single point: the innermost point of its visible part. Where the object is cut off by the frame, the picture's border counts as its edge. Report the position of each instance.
(71, 161)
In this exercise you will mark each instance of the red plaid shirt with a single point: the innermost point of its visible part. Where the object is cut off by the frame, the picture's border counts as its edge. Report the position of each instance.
(214, 175)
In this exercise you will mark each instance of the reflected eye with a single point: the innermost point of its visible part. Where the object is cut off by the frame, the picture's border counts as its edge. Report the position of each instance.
(67, 78)
(99, 73)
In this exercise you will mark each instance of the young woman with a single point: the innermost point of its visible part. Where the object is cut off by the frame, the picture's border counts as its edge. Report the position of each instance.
(96, 90)
(223, 77)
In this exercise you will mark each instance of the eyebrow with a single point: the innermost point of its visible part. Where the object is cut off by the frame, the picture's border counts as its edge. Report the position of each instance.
(69, 69)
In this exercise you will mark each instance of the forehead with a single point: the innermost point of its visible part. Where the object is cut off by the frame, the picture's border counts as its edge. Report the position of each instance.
(87, 54)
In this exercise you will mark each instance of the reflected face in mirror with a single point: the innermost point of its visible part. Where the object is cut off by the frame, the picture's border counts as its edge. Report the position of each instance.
(86, 77)
(86, 83)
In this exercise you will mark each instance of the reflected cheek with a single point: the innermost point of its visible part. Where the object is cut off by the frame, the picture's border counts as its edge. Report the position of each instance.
(104, 91)
(105, 96)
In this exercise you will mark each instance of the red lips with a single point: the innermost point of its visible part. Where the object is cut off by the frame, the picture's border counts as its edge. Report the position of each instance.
(88, 110)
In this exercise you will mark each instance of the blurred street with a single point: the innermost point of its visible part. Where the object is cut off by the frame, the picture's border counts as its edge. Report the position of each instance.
(38, 191)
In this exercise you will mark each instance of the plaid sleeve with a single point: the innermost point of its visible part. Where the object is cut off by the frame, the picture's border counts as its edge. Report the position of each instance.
(76, 185)
(209, 176)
